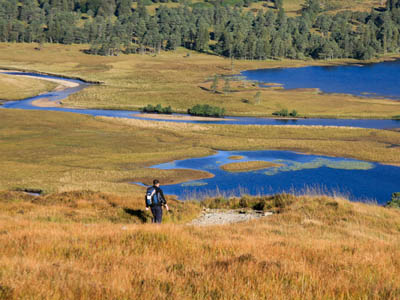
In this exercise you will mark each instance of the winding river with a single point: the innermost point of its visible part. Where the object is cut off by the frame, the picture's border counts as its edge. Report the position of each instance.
(55, 96)
(355, 179)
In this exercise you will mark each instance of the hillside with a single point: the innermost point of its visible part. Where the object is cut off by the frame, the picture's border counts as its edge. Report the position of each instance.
(86, 245)
(313, 29)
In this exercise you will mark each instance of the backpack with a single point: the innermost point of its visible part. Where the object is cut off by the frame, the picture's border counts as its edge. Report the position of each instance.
(151, 196)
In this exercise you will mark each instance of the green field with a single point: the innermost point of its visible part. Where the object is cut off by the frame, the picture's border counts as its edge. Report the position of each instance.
(172, 78)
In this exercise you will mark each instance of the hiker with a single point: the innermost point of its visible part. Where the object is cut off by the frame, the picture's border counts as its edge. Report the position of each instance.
(155, 200)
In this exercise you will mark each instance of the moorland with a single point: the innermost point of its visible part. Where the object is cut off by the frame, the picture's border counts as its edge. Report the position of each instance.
(86, 236)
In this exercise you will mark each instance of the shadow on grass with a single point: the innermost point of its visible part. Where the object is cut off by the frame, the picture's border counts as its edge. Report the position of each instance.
(138, 213)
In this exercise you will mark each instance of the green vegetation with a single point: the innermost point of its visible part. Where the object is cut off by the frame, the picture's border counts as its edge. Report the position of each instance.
(395, 201)
(157, 109)
(285, 113)
(396, 117)
(112, 27)
(205, 110)
(248, 166)
(289, 166)
(214, 85)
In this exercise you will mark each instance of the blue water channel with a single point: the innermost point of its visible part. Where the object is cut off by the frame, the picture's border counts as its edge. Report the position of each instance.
(59, 95)
(374, 80)
(298, 173)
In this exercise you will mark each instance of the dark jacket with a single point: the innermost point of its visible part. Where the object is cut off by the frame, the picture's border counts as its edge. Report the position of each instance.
(160, 196)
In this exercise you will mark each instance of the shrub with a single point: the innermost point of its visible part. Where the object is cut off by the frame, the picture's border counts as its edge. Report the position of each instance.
(205, 110)
(158, 109)
(396, 117)
(293, 113)
(284, 112)
(281, 113)
(395, 202)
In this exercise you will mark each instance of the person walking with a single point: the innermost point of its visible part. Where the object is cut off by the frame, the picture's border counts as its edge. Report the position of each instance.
(155, 200)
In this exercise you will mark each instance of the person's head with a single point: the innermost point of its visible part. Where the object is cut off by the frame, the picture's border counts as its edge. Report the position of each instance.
(156, 183)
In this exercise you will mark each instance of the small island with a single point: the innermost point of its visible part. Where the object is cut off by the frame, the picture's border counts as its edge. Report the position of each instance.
(236, 157)
(248, 166)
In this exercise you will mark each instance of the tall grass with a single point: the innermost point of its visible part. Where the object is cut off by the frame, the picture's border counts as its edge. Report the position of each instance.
(314, 248)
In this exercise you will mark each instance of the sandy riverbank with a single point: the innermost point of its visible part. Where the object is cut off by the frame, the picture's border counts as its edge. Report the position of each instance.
(46, 103)
(179, 117)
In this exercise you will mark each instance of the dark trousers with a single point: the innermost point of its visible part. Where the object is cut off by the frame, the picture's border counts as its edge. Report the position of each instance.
(157, 214)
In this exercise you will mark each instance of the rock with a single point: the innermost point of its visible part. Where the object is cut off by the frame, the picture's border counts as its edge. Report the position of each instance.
(219, 217)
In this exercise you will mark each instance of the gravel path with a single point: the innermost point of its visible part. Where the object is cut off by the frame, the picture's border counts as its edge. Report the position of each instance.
(220, 217)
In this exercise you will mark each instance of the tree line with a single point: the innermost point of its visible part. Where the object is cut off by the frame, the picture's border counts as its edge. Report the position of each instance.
(220, 27)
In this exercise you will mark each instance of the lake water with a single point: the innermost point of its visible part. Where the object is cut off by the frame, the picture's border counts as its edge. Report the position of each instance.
(357, 180)
(377, 80)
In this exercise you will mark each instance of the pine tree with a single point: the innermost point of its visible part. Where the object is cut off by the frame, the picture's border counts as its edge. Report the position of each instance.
(227, 86)
(214, 84)
(257, 98)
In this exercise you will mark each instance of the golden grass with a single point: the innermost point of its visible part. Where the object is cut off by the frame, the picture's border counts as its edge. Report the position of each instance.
(17, 88)
(315, 248)
(236, 157)
(248, 166)
(172, 78)
(59, 152)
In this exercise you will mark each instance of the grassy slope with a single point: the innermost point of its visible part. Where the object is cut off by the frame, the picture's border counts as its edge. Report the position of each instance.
(315, 248)
(62, 152)
(293, 7)
(133, 81)
(15, 88)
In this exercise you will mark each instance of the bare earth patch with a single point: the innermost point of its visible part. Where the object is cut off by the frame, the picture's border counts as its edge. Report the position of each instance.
(248, 166)
(179, 117)
(211, 217)
(46, 103)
